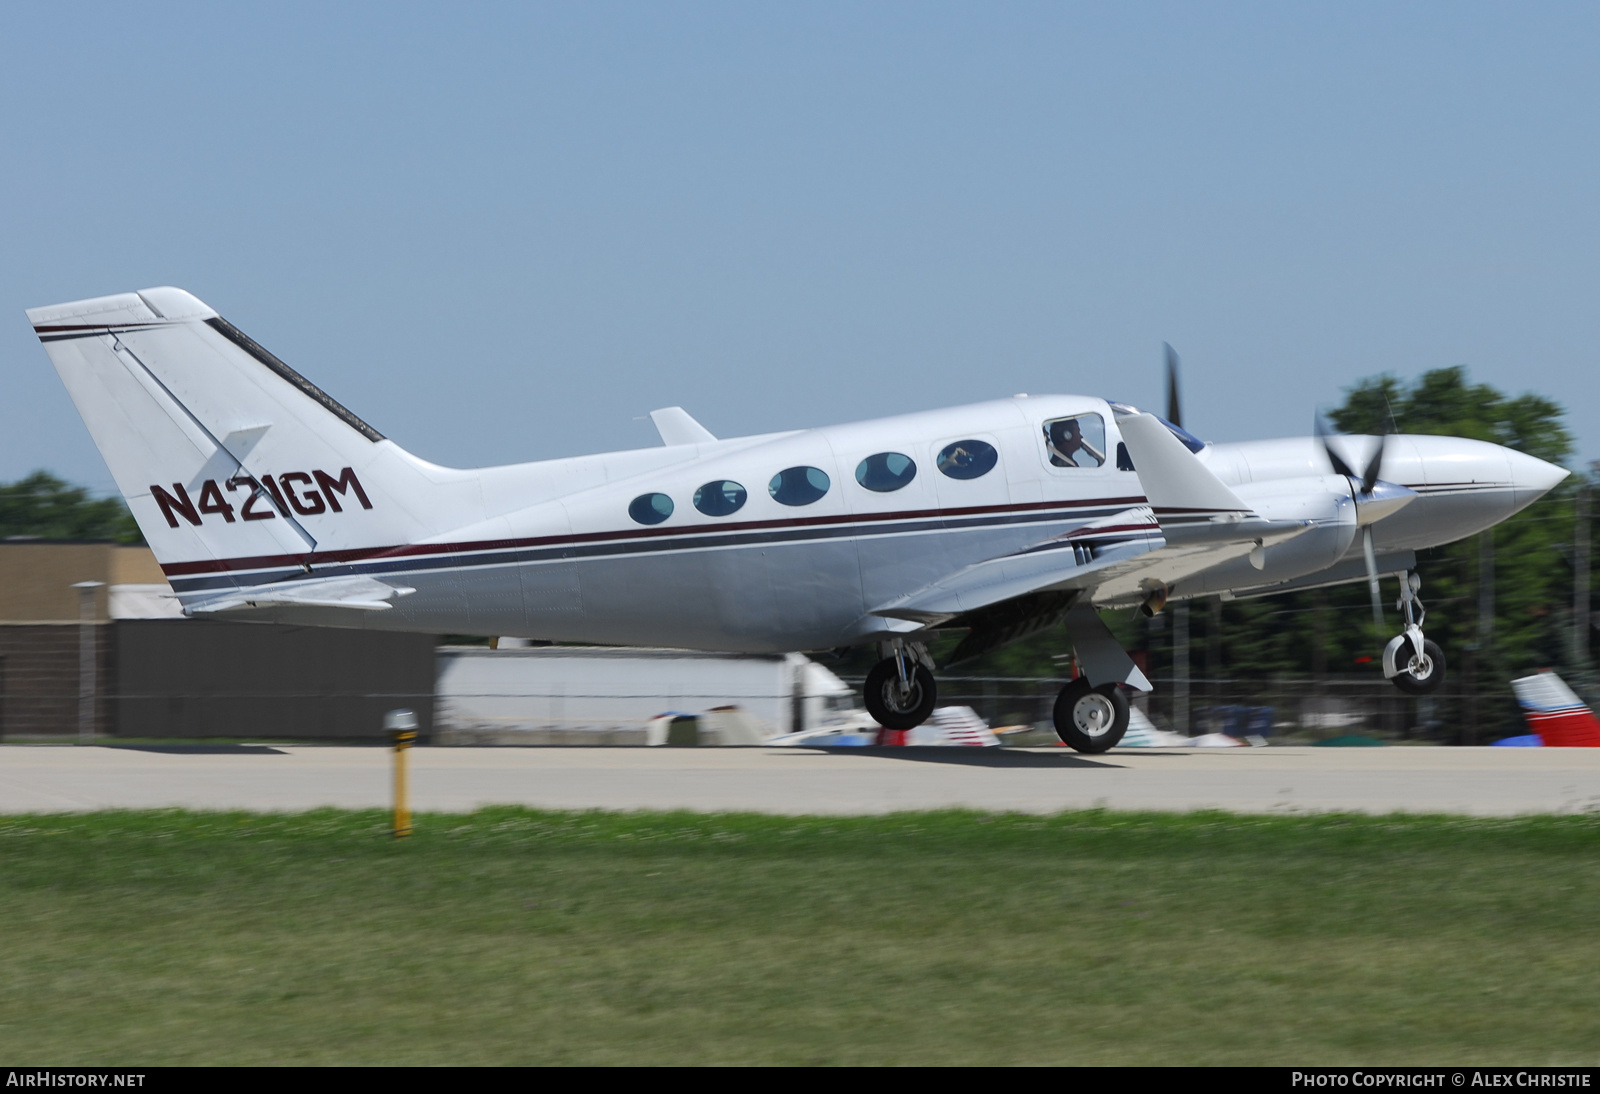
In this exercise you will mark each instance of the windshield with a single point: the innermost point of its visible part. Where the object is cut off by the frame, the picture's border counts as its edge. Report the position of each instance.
(1190, 441)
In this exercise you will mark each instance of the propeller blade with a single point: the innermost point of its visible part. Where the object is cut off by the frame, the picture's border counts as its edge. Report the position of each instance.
(1324, 435)
(1369, 477)
(1372, 578)
(1174, 410)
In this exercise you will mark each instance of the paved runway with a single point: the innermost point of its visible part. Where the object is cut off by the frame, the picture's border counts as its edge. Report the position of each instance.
(1481, 781)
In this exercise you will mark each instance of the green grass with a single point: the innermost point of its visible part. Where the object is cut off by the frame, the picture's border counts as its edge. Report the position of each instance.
(513, 936)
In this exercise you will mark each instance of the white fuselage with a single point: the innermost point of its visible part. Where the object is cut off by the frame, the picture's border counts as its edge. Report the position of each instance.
(549, 550)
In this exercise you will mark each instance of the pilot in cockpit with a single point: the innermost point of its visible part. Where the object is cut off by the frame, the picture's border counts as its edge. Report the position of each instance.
(1068, 448)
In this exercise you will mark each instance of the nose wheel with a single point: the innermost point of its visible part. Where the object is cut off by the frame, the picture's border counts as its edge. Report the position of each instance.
(1418, 663)
(1412, 661)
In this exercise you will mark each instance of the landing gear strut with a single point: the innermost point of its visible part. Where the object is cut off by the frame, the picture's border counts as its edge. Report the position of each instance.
(1414, 663)
(900, 691)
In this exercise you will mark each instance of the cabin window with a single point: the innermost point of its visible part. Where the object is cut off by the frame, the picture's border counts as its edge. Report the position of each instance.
(1076, 442)
(718, 499)
(967, 459)
(886, 472)
(650, 508)
(798, 485)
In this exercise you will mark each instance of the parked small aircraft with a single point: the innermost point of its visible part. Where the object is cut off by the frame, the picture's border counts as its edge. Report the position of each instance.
(263, 498)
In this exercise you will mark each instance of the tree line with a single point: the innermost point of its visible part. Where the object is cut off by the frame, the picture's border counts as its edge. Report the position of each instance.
(42, 506)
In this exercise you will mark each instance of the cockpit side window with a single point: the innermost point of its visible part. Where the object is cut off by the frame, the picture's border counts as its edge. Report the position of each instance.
(1079, 441)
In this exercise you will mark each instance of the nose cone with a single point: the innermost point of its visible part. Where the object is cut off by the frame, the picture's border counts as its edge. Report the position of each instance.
(1533, 477)
(1385, 498)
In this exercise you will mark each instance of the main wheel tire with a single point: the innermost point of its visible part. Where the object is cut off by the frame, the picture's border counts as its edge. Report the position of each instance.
(1091, 719)
(1424, 675)
(888, 707)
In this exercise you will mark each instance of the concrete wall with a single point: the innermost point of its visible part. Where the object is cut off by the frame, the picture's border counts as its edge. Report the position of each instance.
(184, 677)
(201, 678)
(187, 678)
(39, 680)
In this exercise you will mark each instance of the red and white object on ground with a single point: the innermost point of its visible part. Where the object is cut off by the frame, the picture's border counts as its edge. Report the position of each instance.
(945, 726)
(1556, 713)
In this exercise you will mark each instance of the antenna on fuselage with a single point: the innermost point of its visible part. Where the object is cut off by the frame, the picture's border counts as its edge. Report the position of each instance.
(1174, 410)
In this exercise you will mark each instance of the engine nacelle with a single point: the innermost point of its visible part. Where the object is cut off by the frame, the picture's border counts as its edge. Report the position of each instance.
(1321, 504)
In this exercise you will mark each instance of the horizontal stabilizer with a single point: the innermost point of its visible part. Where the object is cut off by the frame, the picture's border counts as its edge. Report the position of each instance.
(677, 427)
(362, 594)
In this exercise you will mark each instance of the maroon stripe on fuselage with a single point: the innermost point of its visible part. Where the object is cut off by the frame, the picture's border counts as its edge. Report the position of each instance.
(1176, 509)
(62, 328)
(1109, 529)
(365, 554)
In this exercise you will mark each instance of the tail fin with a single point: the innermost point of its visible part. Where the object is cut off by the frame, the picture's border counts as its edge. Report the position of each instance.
(224, 453)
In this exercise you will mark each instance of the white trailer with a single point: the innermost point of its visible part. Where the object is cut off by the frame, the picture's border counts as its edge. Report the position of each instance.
(608, 695)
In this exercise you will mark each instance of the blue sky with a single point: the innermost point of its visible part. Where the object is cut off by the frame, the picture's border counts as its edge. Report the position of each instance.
(506, 232)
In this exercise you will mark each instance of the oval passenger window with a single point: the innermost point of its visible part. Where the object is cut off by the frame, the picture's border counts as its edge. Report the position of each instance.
(886, 471)
(798, 485)
(967, 459)
(718, 499)
(650, 508)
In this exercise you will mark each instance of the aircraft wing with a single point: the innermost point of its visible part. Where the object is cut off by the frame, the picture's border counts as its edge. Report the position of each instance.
(1060, 563)
(1118, 559)
(355, 593)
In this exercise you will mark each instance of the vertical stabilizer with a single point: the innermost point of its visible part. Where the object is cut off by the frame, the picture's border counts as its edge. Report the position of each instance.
(223, 452)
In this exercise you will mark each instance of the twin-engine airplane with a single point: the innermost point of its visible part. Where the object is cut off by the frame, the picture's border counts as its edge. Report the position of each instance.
(263, 498)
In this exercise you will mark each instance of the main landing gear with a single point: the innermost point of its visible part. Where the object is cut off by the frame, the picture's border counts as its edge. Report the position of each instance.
(1091, 712)
(1414, 663)
(1091, 719)
(900, 691)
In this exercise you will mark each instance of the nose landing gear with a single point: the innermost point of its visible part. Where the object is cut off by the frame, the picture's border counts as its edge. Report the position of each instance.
(1413, 662)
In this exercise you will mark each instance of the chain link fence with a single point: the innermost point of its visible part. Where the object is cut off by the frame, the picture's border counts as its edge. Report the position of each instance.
(1283, 710)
